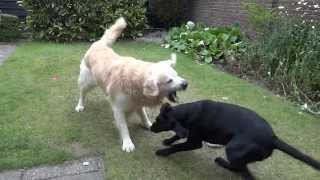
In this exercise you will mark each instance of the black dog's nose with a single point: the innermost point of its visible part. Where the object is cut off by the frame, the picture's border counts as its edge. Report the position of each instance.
(184, 85)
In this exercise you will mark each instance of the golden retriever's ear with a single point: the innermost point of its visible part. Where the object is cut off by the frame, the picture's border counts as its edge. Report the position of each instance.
(150, 87)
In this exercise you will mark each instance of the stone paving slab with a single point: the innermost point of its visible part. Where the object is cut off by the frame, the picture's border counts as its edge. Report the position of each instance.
(88, 176)
(89, 168)
(11, 175)
(5, 51)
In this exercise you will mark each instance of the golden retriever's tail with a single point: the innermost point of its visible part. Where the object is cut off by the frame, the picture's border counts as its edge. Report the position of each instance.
(112, 34)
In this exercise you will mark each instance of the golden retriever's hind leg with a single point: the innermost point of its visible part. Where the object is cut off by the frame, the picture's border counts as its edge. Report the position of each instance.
(86, 82)
(144, 117)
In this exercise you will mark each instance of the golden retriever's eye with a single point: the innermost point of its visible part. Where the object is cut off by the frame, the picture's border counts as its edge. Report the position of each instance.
(169, 81)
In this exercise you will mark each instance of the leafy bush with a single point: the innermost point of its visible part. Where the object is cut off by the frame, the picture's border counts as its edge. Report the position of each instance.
(168, 13)
(206, 43)
(288, 57)
(134, 11)
(261, 19)
(69, 20)
(9, 27)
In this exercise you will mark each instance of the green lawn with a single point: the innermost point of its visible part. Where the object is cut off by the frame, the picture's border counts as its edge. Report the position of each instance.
(38, 124)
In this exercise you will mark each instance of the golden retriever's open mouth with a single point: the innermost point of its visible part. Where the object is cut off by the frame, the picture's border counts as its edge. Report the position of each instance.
(172, 96)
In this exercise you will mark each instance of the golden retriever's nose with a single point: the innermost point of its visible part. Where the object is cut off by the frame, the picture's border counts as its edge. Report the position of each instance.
(184, 84)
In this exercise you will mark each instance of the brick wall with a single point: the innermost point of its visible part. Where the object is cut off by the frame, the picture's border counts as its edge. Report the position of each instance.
(227, 12)
(220, 12)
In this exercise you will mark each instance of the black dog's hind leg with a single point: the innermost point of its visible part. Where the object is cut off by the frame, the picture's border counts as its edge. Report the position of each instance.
(240, 153)
(169, 141)
(193, 142)
(242, 170)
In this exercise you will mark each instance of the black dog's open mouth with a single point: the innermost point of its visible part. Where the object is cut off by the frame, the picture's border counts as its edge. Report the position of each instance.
(172, 96)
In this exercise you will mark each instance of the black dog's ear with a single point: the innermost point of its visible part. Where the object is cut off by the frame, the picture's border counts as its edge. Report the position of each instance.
(165, 107)
(180, 131)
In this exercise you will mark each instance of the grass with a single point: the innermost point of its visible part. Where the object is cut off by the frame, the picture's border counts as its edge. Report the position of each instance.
(38, 124)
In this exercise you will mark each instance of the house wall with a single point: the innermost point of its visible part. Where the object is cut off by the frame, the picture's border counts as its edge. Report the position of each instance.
(220, 12)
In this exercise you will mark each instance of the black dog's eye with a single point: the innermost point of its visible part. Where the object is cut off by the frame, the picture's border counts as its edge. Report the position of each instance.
(169, 81)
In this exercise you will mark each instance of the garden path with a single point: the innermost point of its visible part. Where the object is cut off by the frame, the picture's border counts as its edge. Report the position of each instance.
(5, 50)
(83, 169)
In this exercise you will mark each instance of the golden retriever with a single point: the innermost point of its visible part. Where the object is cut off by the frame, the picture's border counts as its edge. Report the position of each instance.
(131, 84)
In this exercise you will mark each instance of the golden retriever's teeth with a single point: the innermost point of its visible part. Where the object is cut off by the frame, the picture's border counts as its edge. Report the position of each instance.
(172, 97)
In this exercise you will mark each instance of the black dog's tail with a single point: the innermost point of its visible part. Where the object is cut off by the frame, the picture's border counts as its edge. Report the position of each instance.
(284, 147)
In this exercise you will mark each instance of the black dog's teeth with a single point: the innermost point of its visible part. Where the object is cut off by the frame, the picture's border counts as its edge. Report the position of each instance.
(172, 96)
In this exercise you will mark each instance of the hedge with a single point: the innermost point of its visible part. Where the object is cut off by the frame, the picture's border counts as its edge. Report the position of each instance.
(72, 20)
(9, 27)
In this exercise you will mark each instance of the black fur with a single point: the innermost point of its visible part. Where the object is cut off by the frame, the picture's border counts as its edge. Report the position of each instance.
(247, 136)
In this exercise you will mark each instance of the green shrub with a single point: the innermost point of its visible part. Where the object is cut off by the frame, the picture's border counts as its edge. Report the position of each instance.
(261, 19)
(133, 10)
(69, 20)
(9, 27)
(288, 58)
(168, 13)
(206, 44)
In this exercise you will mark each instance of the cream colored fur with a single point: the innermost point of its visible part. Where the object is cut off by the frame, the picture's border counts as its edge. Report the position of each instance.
(131, 84)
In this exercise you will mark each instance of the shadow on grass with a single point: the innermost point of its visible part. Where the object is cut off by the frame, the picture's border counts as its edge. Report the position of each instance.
(94, 132)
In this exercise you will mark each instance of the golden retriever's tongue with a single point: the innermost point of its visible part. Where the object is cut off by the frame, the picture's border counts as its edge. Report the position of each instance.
(172, 96)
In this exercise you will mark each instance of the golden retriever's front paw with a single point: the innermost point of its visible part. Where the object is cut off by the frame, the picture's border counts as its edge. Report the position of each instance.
(79, 108)
(127, 146)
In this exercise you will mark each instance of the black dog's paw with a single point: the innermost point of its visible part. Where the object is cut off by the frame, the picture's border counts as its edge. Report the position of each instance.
(163, 152)
(220, 161)
(167, 142)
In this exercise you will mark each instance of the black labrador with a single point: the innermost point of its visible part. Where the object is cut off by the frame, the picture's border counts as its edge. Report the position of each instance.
(246, 135)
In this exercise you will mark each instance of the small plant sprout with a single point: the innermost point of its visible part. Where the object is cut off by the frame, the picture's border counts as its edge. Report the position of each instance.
(190, 25)
(201, 43)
